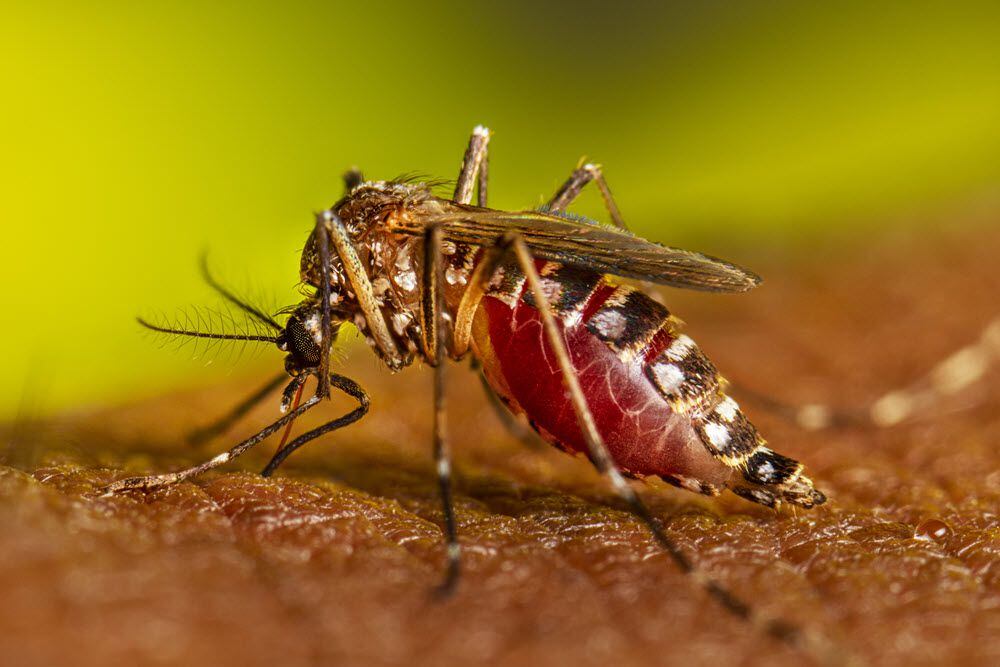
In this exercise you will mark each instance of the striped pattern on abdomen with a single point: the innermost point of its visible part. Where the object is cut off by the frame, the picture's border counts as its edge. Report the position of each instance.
(641, 331)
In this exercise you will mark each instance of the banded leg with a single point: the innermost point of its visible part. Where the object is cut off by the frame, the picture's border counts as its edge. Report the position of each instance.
(433, 344)
(349, 387)
(323, 240)
(475, 164)
(475, 168)
(327, 225)
(148, 482)
(571, 189)
(599, 455)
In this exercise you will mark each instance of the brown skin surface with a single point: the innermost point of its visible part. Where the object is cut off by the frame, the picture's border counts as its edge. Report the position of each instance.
(333, 561)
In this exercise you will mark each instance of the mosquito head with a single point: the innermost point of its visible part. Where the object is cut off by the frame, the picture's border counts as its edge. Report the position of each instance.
(301, 339)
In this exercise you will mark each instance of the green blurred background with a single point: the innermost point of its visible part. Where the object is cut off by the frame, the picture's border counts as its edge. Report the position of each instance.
(134, 137)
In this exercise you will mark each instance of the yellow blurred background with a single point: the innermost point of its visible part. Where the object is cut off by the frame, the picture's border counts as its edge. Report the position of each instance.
(135, 137)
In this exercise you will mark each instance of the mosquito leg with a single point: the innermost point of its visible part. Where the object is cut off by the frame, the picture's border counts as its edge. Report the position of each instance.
(431, 302)
(323, 234)
(330, 229)
(808, 416)
(484, 177)
(349, 387)
(328, 224)
(474, 293)
(154, 481)
(475, 162)
(205, 433)
(433, 344)
(954, 374)
(601, 458)
(471, 298)
(575, 183)
(513, 426)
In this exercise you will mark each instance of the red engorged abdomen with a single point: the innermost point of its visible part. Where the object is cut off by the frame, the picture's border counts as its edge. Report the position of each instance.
(644, 436)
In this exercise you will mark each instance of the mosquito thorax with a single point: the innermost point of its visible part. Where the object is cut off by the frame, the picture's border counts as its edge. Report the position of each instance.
(393, 261)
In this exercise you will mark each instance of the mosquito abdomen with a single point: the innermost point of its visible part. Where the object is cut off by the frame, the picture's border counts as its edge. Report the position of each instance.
(656, 399)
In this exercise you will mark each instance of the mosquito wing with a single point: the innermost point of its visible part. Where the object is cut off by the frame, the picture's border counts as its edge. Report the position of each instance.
(564, 239)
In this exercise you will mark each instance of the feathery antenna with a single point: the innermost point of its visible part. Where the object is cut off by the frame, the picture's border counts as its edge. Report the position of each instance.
(205, 334)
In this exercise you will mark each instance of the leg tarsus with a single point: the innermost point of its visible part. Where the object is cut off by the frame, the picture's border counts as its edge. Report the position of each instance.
(571, 189)
(147, 482)
(474, 162)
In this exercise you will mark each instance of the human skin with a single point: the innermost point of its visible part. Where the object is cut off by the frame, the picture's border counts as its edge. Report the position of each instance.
(333, 561)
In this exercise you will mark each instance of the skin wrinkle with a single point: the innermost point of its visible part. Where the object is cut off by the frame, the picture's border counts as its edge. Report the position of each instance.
(268, 513)
(269, 576)
(520, 520)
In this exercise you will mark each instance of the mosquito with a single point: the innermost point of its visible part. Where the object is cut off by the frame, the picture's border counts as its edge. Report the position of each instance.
(547, 305)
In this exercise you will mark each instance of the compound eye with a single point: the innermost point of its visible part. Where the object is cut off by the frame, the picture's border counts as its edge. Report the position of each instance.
(301, 344)
(282, 345)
